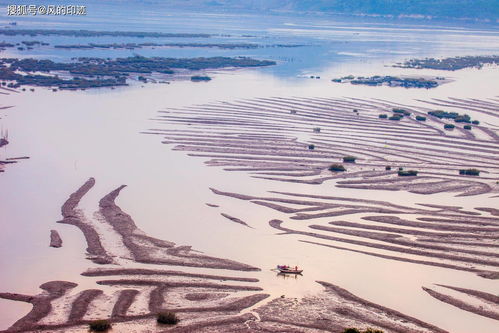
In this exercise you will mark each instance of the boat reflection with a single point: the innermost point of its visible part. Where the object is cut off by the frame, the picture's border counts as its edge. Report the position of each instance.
(288, 276)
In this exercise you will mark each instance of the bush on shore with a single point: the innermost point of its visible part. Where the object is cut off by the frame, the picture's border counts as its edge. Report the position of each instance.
(449, 126)
(102, 325)
(469, 172)
(167, 318)
(403, 173)
(349, 159)
(337, 168)
(368, 330)
(401, 111)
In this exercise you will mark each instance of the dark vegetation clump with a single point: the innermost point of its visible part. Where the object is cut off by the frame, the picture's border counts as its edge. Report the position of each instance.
(467, 127)
(368, 330)
(199, 78)
(401, 111)
(100, 325)
(107, 72)
(420, 118)
(450, 64)
(395, 117)
(349, 159)
(167, 318)
(469, 172)
(449, 126)
(337, 168)
(463, 119)
(403, 173)
(311, 146)
(317, 129)
(458, 118)
(388, 168)
(383, 116)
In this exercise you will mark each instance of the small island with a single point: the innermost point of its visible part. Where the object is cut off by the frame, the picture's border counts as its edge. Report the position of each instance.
(200, 78)
(391, 81)
(450, 64)
(99, 72)
(131, 46)
(91, 33)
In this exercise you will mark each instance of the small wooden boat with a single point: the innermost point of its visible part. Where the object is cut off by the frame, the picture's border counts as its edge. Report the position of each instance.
(289, 270)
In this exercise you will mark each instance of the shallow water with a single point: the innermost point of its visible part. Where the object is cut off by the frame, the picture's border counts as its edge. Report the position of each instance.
(71, 136)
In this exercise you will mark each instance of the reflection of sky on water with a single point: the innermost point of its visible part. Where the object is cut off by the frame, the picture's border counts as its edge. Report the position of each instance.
(327, 42)
(97, 133)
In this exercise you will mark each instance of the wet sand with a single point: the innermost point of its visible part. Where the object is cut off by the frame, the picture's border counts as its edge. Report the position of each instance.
(439, 235)
(217, 304)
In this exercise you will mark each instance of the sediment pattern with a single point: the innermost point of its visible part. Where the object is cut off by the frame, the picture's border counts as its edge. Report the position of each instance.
(134, 293)
(296, 139)
(448, 237)
(129, 295)
(55, 239)
(481, 303)
(293, 141)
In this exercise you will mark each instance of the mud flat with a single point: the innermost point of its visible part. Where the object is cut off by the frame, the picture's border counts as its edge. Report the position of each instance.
(139, 275)
(55, 239)
(254, 146)
(270, 139)
(204, 302)
(198, 295)
(488, 306)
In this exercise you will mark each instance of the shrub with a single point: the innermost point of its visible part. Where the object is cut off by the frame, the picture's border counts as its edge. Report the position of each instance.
(401, 111)
(371, 330)
(462, 119)
(400, 169)
(407, 173)
(469, 172)
(387, 168)
(420, 118)
(167, 318)
(337, 168)
(443, 114)
(311, 147)
(355, 330)
(383, 116)
(395, 117)
(355, 110)
(100, 325)
(449, 126)
(475, 122)
(198, 78)
(293, 111)
(317, 129)
(351, 330)
(349, 159)
(467, 127)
